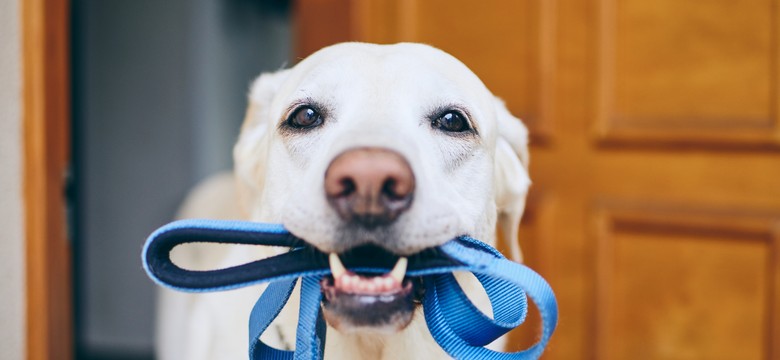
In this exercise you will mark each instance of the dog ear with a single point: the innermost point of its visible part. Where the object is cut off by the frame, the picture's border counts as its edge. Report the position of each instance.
(511, 176)
(250, 151)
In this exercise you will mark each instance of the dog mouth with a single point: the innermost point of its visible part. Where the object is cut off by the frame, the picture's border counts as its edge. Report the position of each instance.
(356, 301)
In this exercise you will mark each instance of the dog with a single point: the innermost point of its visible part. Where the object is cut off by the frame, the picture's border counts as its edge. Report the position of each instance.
(386, 148)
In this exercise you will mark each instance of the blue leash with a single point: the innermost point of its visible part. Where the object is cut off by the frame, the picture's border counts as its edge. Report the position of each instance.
(455, 323)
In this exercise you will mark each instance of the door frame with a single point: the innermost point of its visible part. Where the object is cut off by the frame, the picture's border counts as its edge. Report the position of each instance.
(45, 29)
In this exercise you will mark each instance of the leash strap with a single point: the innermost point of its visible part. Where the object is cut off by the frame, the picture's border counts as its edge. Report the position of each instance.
(455, 323)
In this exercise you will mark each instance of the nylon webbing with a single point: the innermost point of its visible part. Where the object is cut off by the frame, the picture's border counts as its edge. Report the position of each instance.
(454, 322)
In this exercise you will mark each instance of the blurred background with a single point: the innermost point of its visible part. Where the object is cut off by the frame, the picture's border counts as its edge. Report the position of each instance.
(159, 93)
(655, 153)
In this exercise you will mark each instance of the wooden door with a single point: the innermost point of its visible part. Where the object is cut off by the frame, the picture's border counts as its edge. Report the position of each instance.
(655, 209)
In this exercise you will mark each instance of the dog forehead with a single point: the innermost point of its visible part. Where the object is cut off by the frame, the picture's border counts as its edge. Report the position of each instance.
(370, 56)
(404, 66)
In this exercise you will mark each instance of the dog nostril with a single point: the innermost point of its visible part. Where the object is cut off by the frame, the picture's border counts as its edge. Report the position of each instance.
(347, 187)
(388, 188)
(393, 190)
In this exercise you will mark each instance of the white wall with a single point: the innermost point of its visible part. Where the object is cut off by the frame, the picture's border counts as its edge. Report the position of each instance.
(11, 226)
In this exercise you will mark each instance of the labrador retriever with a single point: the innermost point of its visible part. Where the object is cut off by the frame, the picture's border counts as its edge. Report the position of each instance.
(384, 148)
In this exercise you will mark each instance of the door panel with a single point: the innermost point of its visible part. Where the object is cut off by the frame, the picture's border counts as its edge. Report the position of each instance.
(688, 71)
(678, 61)
(655, 208)
(684, 284)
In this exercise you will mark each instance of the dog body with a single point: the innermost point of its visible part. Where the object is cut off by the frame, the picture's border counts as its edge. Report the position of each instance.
(397, 148)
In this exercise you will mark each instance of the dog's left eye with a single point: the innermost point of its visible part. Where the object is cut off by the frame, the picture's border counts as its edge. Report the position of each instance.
(451, 121)
(304, 118)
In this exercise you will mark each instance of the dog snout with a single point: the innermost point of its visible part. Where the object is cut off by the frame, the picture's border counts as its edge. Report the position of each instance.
(369, 187)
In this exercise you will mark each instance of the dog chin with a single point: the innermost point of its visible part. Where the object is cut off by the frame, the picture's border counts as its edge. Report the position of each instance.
(380, 313)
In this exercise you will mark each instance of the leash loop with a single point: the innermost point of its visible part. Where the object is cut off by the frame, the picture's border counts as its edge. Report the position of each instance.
(454, 322)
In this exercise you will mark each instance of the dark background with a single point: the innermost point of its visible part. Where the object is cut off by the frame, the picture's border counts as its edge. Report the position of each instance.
(159, 95)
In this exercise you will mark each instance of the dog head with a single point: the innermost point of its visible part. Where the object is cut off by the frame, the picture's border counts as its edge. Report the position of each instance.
(368, 149)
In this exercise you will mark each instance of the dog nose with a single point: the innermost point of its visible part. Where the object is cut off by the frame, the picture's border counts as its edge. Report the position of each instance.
(370, 187)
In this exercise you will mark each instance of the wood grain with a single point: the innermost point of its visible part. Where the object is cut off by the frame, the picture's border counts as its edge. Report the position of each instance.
(685, 283)
(698, 73)
(45, 29)
(668, 109)
(319, 23)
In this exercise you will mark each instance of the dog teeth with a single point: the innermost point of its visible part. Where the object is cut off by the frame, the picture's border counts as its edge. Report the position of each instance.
(388, 284)
(350, 282)
(371, 287)
(336, 267)
(399, 270)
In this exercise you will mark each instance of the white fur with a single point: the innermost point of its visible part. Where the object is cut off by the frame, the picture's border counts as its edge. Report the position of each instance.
(379, 96)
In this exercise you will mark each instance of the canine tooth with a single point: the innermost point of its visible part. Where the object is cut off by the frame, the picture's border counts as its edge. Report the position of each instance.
(399, 270)
(388, 283)
(336, 267)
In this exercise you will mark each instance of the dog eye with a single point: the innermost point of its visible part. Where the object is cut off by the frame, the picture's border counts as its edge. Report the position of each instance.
(304, 118)
(451, 121)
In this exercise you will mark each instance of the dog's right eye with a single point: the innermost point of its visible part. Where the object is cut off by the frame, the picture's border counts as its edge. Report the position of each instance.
(304, 118)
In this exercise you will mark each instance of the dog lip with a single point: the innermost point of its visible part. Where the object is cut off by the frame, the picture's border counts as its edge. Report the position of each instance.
(333, 292)
(386, 312)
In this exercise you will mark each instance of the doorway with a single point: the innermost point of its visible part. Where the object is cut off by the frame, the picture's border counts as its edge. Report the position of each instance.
(159, 92)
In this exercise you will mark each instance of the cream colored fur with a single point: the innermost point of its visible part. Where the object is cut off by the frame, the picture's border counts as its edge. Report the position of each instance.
(375, 95)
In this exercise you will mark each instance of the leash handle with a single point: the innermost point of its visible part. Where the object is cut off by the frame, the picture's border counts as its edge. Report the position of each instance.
(160, 268)
(301, 260)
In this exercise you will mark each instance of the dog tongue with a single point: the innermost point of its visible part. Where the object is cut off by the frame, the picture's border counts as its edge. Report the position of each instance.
(352, 283)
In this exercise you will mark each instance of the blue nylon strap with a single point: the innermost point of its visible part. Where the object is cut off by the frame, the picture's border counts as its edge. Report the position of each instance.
(454, 322)
(266, 309)
(522, 277)
(311, 343)
(468, 322)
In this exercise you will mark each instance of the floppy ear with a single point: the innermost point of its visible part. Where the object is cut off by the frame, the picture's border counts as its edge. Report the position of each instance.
(250, 152)
(511, 176)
